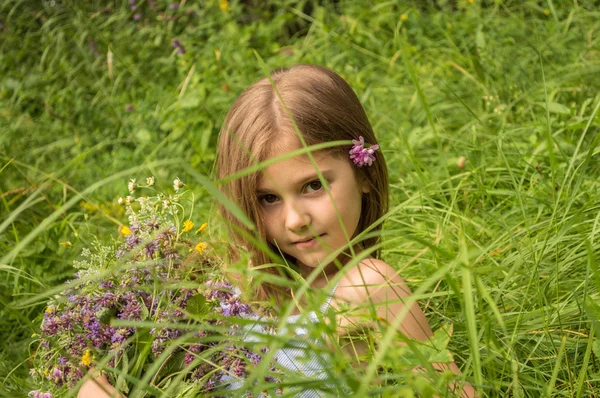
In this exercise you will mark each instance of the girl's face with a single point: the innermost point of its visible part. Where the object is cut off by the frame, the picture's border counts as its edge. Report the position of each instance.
(299, 216)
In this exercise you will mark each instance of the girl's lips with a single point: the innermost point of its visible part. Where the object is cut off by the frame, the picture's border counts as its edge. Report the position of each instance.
(307, 243)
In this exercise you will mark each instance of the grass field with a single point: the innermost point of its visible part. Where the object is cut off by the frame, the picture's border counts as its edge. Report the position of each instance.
(488, 115)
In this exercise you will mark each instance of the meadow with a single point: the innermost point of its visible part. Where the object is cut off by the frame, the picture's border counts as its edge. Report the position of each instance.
(488, 115)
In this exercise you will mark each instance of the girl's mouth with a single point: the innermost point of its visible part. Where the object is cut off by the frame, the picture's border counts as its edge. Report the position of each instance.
(307, 243)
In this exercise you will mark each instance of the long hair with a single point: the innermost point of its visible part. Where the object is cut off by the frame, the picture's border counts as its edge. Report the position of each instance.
(324, 108)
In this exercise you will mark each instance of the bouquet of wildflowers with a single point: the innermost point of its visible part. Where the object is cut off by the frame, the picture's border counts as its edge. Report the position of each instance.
(151, 306)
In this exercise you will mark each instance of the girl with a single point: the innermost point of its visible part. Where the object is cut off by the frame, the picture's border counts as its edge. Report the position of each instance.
(315, 210)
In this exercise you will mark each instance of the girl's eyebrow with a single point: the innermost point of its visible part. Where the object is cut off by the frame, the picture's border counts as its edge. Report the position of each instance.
(301, 181)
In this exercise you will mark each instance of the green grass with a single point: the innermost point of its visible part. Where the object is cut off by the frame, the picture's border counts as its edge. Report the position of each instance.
(504, 249)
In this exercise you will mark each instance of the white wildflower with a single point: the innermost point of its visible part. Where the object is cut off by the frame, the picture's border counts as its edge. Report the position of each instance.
(131, 185)
(129, 200)
(121, 200)
(177, 184)
(150, 181)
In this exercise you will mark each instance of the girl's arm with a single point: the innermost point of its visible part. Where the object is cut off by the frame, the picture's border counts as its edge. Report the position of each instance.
(374, 282)
(97, 386)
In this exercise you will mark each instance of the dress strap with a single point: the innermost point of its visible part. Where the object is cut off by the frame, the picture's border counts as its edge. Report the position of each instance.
(325, 305)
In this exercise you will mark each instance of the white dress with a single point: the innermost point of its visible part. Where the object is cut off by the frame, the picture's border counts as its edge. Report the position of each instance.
(298, 358)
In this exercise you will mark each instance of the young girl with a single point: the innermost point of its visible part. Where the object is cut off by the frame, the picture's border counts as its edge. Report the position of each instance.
(309, 207)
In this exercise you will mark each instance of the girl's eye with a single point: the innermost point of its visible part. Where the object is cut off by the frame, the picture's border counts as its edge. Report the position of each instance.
(314, 186)
(269, 198)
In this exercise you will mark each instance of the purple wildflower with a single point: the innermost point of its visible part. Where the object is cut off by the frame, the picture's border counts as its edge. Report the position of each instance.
(129, 108)
(108, 300)
(137, 16)
(173, 6)
(120, 335)
(151, 248)
(177, 44)
(234, 308)
(253, 357)
(220, 290)
(65, 321)
(132, 240)
(57, 376)
(210, 385)
(360, 155)
(134, 228)
(132, 310)
(153, 224)
(78, 345)
(51, 324)
(39, 394)
(108, 284)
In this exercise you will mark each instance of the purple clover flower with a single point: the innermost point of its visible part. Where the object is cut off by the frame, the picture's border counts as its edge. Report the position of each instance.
(360, 155)
(57, 376)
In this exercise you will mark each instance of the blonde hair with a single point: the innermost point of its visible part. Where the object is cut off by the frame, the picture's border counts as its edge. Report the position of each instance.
(324, 108)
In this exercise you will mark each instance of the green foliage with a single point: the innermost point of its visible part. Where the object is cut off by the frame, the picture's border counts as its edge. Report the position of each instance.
(501, 244)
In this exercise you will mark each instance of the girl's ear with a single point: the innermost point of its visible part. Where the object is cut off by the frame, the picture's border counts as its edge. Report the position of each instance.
(364, 185)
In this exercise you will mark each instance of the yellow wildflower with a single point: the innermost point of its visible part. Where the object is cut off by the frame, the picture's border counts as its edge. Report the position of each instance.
(546, 12)
(66, 243)
(86, 359)
(200, 247)
(403, 17)
(471, 1)
(224, 5)
(125, 230)
(202, 227)
(187, 226)
(49, 310)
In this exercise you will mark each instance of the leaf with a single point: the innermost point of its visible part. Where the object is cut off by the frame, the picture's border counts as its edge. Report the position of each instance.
(189, 101)
(143, 136)
(596, 348)
(555, 107)
(121, 383)
(144, 312)
(174, 364)
(197, 305)
(105, 315)
(480, 39)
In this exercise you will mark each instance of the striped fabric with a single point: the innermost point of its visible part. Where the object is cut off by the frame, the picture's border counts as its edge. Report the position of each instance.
(298, 357)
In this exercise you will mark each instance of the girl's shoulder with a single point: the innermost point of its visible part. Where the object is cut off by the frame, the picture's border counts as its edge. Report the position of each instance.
(371, 280)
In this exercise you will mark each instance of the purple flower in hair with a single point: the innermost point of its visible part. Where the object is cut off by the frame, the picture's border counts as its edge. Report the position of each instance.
(360, 155)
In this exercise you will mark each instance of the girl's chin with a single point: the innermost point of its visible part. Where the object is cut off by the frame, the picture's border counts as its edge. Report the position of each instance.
(309, 266)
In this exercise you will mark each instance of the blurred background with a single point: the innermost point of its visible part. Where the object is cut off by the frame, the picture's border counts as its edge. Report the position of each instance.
(487, 111)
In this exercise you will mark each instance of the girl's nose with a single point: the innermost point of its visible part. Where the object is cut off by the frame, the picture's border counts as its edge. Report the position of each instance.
(296, 218)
